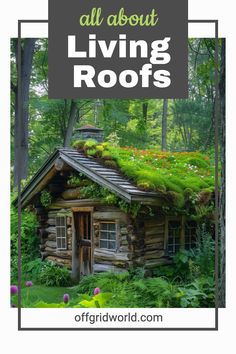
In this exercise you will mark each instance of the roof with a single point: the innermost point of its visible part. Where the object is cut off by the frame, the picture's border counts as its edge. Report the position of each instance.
(88, 127)
(92, 169)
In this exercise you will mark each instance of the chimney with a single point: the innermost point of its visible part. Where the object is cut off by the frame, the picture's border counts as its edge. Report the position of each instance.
(89, 132)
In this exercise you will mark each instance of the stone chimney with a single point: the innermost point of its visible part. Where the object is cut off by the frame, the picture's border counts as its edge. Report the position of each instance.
(89, 132)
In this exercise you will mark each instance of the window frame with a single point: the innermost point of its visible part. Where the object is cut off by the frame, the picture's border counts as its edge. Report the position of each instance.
(107, 231)
(174, 244)
(192, 237)
(183, 222)
(59, 236)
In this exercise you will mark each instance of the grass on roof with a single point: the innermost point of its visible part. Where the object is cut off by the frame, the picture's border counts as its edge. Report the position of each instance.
(181, 174)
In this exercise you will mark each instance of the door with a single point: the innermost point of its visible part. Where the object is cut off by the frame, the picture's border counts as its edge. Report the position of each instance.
(83, 232)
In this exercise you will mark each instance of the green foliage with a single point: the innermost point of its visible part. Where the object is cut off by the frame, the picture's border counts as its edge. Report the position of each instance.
(106, 155)
(45, 198)
(90, 144)
(204, 253)
(74, 181)
(29, 241)
(110, 164)
(31, 270)
(78, 144)
(99, 301)
(91, 152)
(53, 275)
(45, 305)
(131, 289)
(171, 174)
(199, 293)
(193, 263)
(113, 139)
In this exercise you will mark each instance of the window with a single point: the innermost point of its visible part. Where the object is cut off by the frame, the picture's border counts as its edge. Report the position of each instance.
(107, 232)
(173, 244)
(61, 233)
(190, 235)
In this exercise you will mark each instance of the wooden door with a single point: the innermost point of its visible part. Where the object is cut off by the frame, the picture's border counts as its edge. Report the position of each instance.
(84, 241)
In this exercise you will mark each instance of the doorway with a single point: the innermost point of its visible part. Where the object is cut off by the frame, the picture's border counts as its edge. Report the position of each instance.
(83, 232)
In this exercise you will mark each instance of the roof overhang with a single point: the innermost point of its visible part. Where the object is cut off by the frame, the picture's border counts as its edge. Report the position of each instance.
(107, 178)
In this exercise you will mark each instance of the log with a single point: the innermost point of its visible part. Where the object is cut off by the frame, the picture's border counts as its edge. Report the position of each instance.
(51, 230)
(61, 203)
(154, 246)
(154, 231)
(157, 220)
(52, 214)
(154, 254)
(124, 249)
(60, 261)
(60, 165)
(71, 194)
(69, 231)
(97, 268)
(51, 237)
(60, 254)
(110, 215)
(51, 244)
(156, 262)
(154, 240)
(51, 221)
(108, 255)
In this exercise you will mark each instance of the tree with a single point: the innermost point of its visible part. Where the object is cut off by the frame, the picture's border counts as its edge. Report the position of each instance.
(164, 125)
(21, 132)
(222, 188)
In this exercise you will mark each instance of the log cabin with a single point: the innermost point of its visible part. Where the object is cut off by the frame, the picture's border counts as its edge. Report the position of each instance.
(88, 235)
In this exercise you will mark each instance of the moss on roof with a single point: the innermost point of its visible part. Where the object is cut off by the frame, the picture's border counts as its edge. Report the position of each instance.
(181, 176)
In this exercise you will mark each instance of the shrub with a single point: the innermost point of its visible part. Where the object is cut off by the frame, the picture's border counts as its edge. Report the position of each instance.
(106, 155)
(78, 144)
(45, 198)
(91, 152)
(204, 253)
(33, 269)
(90, 144)
(29, 240)
(54, 275)
(110, 164)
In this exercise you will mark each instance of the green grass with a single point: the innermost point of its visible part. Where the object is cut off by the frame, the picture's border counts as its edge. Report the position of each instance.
(38, 293)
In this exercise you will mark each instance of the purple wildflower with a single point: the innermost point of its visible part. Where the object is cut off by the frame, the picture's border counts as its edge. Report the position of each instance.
(14, 289)
(96, 291)
(29, 283)
(66, 298)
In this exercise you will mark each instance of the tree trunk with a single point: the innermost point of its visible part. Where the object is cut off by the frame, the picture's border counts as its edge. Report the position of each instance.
(222, 187)
(71, 123)
(145, 110)
(22, 117)
(164, 125)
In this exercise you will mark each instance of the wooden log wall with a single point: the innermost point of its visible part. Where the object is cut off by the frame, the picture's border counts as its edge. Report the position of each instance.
(48, 245)
(140, 242)
(149, 248)
(109, 260)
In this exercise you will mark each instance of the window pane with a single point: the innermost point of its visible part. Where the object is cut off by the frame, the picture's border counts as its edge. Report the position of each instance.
(111, 245)
(63, 243)
(58, 243)
(103, 244)
(108, 235)
(103, 235)
(112, 236)
(112, 227)
(173, 244)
